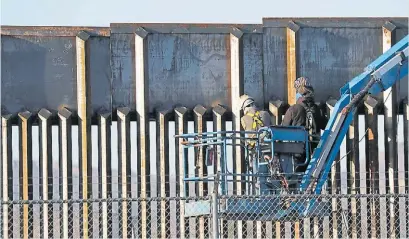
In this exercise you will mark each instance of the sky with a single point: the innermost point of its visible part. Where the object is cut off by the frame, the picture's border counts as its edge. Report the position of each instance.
(104, 12)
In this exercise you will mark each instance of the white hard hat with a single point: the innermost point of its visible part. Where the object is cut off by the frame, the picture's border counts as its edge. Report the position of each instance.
(245, 100)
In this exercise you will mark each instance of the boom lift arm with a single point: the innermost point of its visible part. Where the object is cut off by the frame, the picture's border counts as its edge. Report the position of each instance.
(378, 76)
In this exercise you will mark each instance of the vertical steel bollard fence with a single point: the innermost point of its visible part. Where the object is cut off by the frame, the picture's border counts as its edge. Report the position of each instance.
(215, 212)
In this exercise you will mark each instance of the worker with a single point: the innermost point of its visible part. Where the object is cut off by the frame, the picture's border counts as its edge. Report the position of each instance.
(305, 113)
(253, 118)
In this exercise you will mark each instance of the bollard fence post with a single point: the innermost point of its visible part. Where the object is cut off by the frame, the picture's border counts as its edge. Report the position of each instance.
(215, 213)
(215, 216)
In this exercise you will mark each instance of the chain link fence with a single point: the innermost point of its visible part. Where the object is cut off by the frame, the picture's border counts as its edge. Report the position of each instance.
(330, 216)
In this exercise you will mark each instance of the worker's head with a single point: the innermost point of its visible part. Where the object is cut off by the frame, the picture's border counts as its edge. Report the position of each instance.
(303, 86)
(246, 102)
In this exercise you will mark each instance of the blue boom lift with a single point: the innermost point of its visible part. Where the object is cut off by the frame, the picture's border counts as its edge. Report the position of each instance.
(271, 165)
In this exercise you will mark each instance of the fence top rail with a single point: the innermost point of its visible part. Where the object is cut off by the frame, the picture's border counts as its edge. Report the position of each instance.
(197, 198)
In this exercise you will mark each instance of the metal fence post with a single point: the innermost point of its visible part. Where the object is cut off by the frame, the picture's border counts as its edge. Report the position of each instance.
(215, 216)
(215, 212)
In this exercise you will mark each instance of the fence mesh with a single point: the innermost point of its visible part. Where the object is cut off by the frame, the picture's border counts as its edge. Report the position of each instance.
(330, 216)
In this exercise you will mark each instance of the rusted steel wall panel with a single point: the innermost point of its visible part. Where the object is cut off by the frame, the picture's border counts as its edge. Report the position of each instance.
(99, 74)
(37, 72)
(274, 65)
(188, 63)
(331, 57)
(122, 70)
(253, 66)
(194, 66)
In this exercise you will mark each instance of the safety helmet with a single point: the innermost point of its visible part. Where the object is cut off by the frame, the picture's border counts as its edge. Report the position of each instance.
(303, 85)
(245, 101)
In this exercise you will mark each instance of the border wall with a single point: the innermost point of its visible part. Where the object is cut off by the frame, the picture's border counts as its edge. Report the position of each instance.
(90, 113)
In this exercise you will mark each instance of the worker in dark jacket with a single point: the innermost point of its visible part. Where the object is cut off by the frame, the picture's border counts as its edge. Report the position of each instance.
(304, 109)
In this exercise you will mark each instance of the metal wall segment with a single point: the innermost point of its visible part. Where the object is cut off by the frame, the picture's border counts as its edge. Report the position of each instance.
(84, 117)
(390, 100)
(7, 170)
(104, 169)
(124, 168)
(200, 164)
(163, 167)
(180, 154)
(330, 57)
(292, 58)
(37, 61)
(142, 111)
(65, 151)
(372, 106)
(26, 160)
(237, 89)
(184, 56)
(352, 148)
(192, 69)
(45, 166)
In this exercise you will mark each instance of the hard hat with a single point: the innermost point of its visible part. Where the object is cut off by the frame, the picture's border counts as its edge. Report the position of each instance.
(245, 100)
(303, 85)
(302, 81)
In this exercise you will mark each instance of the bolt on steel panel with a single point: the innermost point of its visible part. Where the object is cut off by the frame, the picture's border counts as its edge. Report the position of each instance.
(330, 57)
